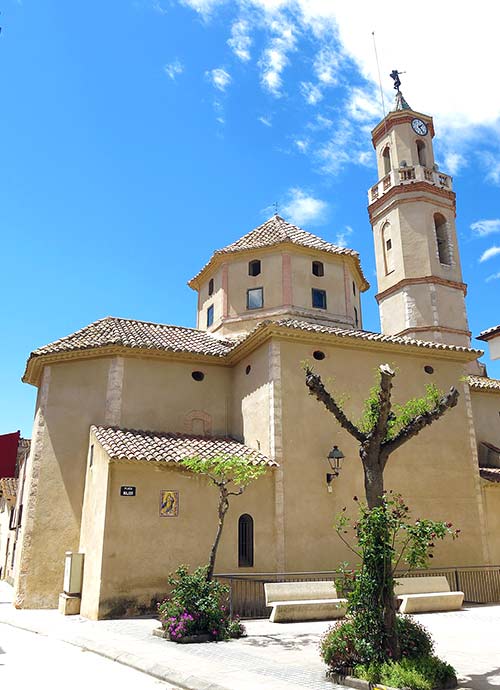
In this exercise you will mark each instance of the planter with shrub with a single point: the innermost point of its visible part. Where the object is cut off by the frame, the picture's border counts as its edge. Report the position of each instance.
(196, 610)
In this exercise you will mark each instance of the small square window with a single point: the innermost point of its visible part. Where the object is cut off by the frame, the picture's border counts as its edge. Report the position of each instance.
(319, 299)
(210, 315)
(318, 269)
(254, 267)
(255, 298)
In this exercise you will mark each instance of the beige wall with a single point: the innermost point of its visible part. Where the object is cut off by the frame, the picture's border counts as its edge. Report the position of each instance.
(491, 495)
(402, 142)
(141, 548)
(74, 399)
(435, 472)
(160, 395)
(93, 535)
(486, 410)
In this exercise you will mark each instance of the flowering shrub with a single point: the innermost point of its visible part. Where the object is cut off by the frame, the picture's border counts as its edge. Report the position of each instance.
(197, 606)
(342, 649)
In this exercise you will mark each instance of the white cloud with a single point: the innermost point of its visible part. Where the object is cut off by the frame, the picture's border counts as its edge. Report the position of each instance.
(274, 58)
(364, 105)
(492, 164)
(311, 92)
(302, 144)
(219, 78)
(453, 162)
(172, 69)
(485, 227)
(341, 239)
(265, 121)
(303, 208)
(489, 254)
(240, 40)
(494, 276)
(326, 65)
(204, 7)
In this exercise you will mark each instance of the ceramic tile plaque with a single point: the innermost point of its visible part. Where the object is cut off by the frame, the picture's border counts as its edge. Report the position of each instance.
(169, 503)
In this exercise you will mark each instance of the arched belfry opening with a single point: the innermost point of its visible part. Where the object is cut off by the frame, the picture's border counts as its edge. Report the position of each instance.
(422, 158)
(386, 157)
(442, 239)
(387, 248)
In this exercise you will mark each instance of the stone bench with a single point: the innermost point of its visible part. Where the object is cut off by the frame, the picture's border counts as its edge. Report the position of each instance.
(426, 594)
(303, 601)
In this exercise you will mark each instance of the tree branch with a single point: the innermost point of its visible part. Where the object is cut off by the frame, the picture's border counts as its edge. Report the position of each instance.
(384, 407)
(418, 423)
(316, 388)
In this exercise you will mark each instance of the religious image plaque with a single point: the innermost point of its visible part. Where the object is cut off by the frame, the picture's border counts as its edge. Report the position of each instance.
(169, 503)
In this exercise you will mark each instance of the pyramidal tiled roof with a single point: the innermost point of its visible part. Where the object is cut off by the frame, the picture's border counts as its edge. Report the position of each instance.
(139, 334)
(277, 230)
(152, 446)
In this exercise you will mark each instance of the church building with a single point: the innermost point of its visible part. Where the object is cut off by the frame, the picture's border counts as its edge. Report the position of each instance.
(122, 402)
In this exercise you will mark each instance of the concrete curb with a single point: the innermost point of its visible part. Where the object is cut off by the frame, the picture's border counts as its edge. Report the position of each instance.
(159, 671)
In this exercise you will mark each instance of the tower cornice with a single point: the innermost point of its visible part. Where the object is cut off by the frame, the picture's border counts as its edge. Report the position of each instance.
(398, 117)
(423, 280)
(405, 193)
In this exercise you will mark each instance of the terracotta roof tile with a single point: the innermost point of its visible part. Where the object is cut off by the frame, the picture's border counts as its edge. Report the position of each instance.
(8, 487)
(152, 446)
(489, 333)
(368, 335)
(492, 474)
(139, 334)
(277, 230)
(483, 383)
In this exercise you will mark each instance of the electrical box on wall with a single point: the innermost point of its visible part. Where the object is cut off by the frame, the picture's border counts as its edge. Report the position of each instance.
(73, 573)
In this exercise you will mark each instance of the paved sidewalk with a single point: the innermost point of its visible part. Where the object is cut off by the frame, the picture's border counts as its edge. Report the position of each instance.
(274, 657)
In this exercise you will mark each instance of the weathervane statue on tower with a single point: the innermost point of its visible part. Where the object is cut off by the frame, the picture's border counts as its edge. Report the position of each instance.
(401, 104)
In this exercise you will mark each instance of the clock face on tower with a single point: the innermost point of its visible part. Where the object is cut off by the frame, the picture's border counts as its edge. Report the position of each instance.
(419, 127)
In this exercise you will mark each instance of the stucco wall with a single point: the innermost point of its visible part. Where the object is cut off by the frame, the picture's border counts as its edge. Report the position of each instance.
(160, 395)
(92, 533)
(141, 548)
(486, 411)
(435, 472)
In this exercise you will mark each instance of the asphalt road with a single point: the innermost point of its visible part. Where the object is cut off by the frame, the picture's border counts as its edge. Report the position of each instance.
(28, 661)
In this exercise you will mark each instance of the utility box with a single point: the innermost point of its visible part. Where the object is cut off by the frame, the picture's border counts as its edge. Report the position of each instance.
(73, 573)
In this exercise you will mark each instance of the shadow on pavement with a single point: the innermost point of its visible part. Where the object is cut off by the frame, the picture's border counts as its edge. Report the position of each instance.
(483, 681)
(296, 642)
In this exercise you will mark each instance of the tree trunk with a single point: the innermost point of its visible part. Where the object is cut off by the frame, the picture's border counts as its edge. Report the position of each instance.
(374, 479)
(223, 508)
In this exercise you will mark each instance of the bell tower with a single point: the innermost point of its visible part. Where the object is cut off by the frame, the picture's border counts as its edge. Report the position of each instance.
(412, 212)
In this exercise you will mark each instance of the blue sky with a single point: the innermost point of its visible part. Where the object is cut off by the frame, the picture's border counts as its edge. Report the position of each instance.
(140, 135)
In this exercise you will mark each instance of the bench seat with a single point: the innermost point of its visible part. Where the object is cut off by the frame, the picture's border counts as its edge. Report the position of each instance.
(426, 594)
(303, 601)
(308, 610)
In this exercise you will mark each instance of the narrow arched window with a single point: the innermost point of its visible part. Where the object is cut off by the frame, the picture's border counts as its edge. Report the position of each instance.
(387, 248)
(245, 541)
(421, 153)
(210, 287)
(356, 318)
(443, 243)
(386, 157)
(254, 267)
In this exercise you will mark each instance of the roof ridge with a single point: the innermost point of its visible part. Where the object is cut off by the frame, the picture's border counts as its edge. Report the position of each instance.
(152, 432)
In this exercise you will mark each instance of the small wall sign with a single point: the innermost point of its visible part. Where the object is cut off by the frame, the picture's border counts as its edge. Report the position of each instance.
(127, 490)
(169, 503)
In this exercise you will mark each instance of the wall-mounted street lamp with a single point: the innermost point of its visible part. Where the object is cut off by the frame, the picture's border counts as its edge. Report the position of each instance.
(335, 457)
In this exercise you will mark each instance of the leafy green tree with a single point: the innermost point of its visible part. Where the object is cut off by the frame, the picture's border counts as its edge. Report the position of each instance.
(231, 475)
(383, 429)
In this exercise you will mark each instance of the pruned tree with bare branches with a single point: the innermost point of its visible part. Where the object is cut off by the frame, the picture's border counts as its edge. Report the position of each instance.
(383, 429)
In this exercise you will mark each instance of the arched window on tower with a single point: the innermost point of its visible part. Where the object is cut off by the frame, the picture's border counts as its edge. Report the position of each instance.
(387, 246)
(443, 242)
(386, 156)
(245, 541)
(421, 153)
